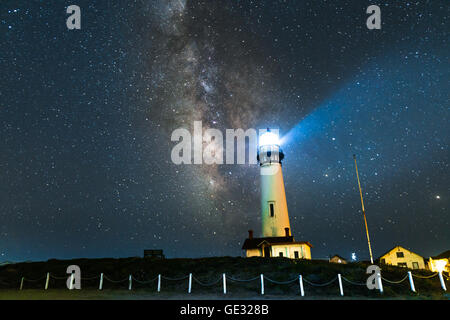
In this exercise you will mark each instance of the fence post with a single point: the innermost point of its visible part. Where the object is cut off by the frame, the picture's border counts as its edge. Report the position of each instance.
(129, 282)
(21, 283)
(300, 281)
(159, 282)
(411, 281)
(46, 280)
(341, 289)
(190, 283)
(262, 283)
(224, 284)
(442, 281)
(71, 282)
(380, 284)
(100, 286)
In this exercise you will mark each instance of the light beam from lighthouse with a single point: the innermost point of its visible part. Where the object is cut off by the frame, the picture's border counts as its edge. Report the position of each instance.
(274, 211)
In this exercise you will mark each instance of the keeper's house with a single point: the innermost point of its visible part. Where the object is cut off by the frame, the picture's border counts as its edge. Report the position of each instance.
(402, 257)
(276, 247)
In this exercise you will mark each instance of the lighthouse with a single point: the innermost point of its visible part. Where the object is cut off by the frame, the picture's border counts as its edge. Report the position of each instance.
(274, 211)
(277, 239)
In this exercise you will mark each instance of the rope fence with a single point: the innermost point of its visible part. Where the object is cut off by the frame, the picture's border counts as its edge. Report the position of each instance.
(144, 282)
(395, 282)
(280, 282)
(90, 278)
(34, 280)
(115, 281)
(175, 279)
(207, 284)
(353, 282)
(427, 277)
(320, 284)
(242, 280)
(300, 279)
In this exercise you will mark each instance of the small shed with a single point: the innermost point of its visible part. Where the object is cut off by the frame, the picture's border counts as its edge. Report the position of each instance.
(157, 254)
(337, 259)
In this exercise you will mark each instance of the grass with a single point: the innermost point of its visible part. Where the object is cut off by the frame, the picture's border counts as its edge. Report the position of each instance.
(207, 270)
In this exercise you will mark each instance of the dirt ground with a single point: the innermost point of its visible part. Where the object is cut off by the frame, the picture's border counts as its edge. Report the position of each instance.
(59, 294)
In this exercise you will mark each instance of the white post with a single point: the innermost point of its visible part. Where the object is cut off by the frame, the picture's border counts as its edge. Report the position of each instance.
(100, 286)
(159, 282)
(262, 283)
(129, 282)
(46, 280)
(224, 284)
(190, 283)
(21, 283)
(442, 281)
(71, 281)
(340, 284)
(380, 284)
(411, 281)
(300, 281)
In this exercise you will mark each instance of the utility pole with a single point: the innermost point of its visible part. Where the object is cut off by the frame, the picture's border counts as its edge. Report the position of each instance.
(363, 210)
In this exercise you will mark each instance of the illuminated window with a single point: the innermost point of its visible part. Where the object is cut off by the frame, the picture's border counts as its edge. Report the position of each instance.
(415, 265)
(402, 264)
(400, 255)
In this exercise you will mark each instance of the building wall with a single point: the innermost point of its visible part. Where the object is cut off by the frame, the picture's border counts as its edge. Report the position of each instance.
(304, 252)
(432, 264)
(408, 258)
(253, 253)
(272, 191)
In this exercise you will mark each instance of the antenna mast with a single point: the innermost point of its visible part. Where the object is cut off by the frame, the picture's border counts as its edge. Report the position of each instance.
(363, 210)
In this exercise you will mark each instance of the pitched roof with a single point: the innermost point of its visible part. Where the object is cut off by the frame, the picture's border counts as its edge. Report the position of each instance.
(443, 255)
(397, 246)
(336, 255)
(255, 243)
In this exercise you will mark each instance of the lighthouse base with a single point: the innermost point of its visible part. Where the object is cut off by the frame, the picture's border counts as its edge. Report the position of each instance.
(277, 247)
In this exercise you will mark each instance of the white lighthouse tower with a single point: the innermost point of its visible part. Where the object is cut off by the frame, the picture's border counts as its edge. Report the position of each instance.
(274, 211)
(276, 240)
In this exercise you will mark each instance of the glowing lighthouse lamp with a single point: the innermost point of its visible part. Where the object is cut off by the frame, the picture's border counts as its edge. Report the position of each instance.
(269, 138)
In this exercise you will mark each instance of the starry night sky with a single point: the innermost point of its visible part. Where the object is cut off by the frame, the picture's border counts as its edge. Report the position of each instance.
(86, 118)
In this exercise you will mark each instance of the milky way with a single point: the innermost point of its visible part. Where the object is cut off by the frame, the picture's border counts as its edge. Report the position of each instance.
(86, 118)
